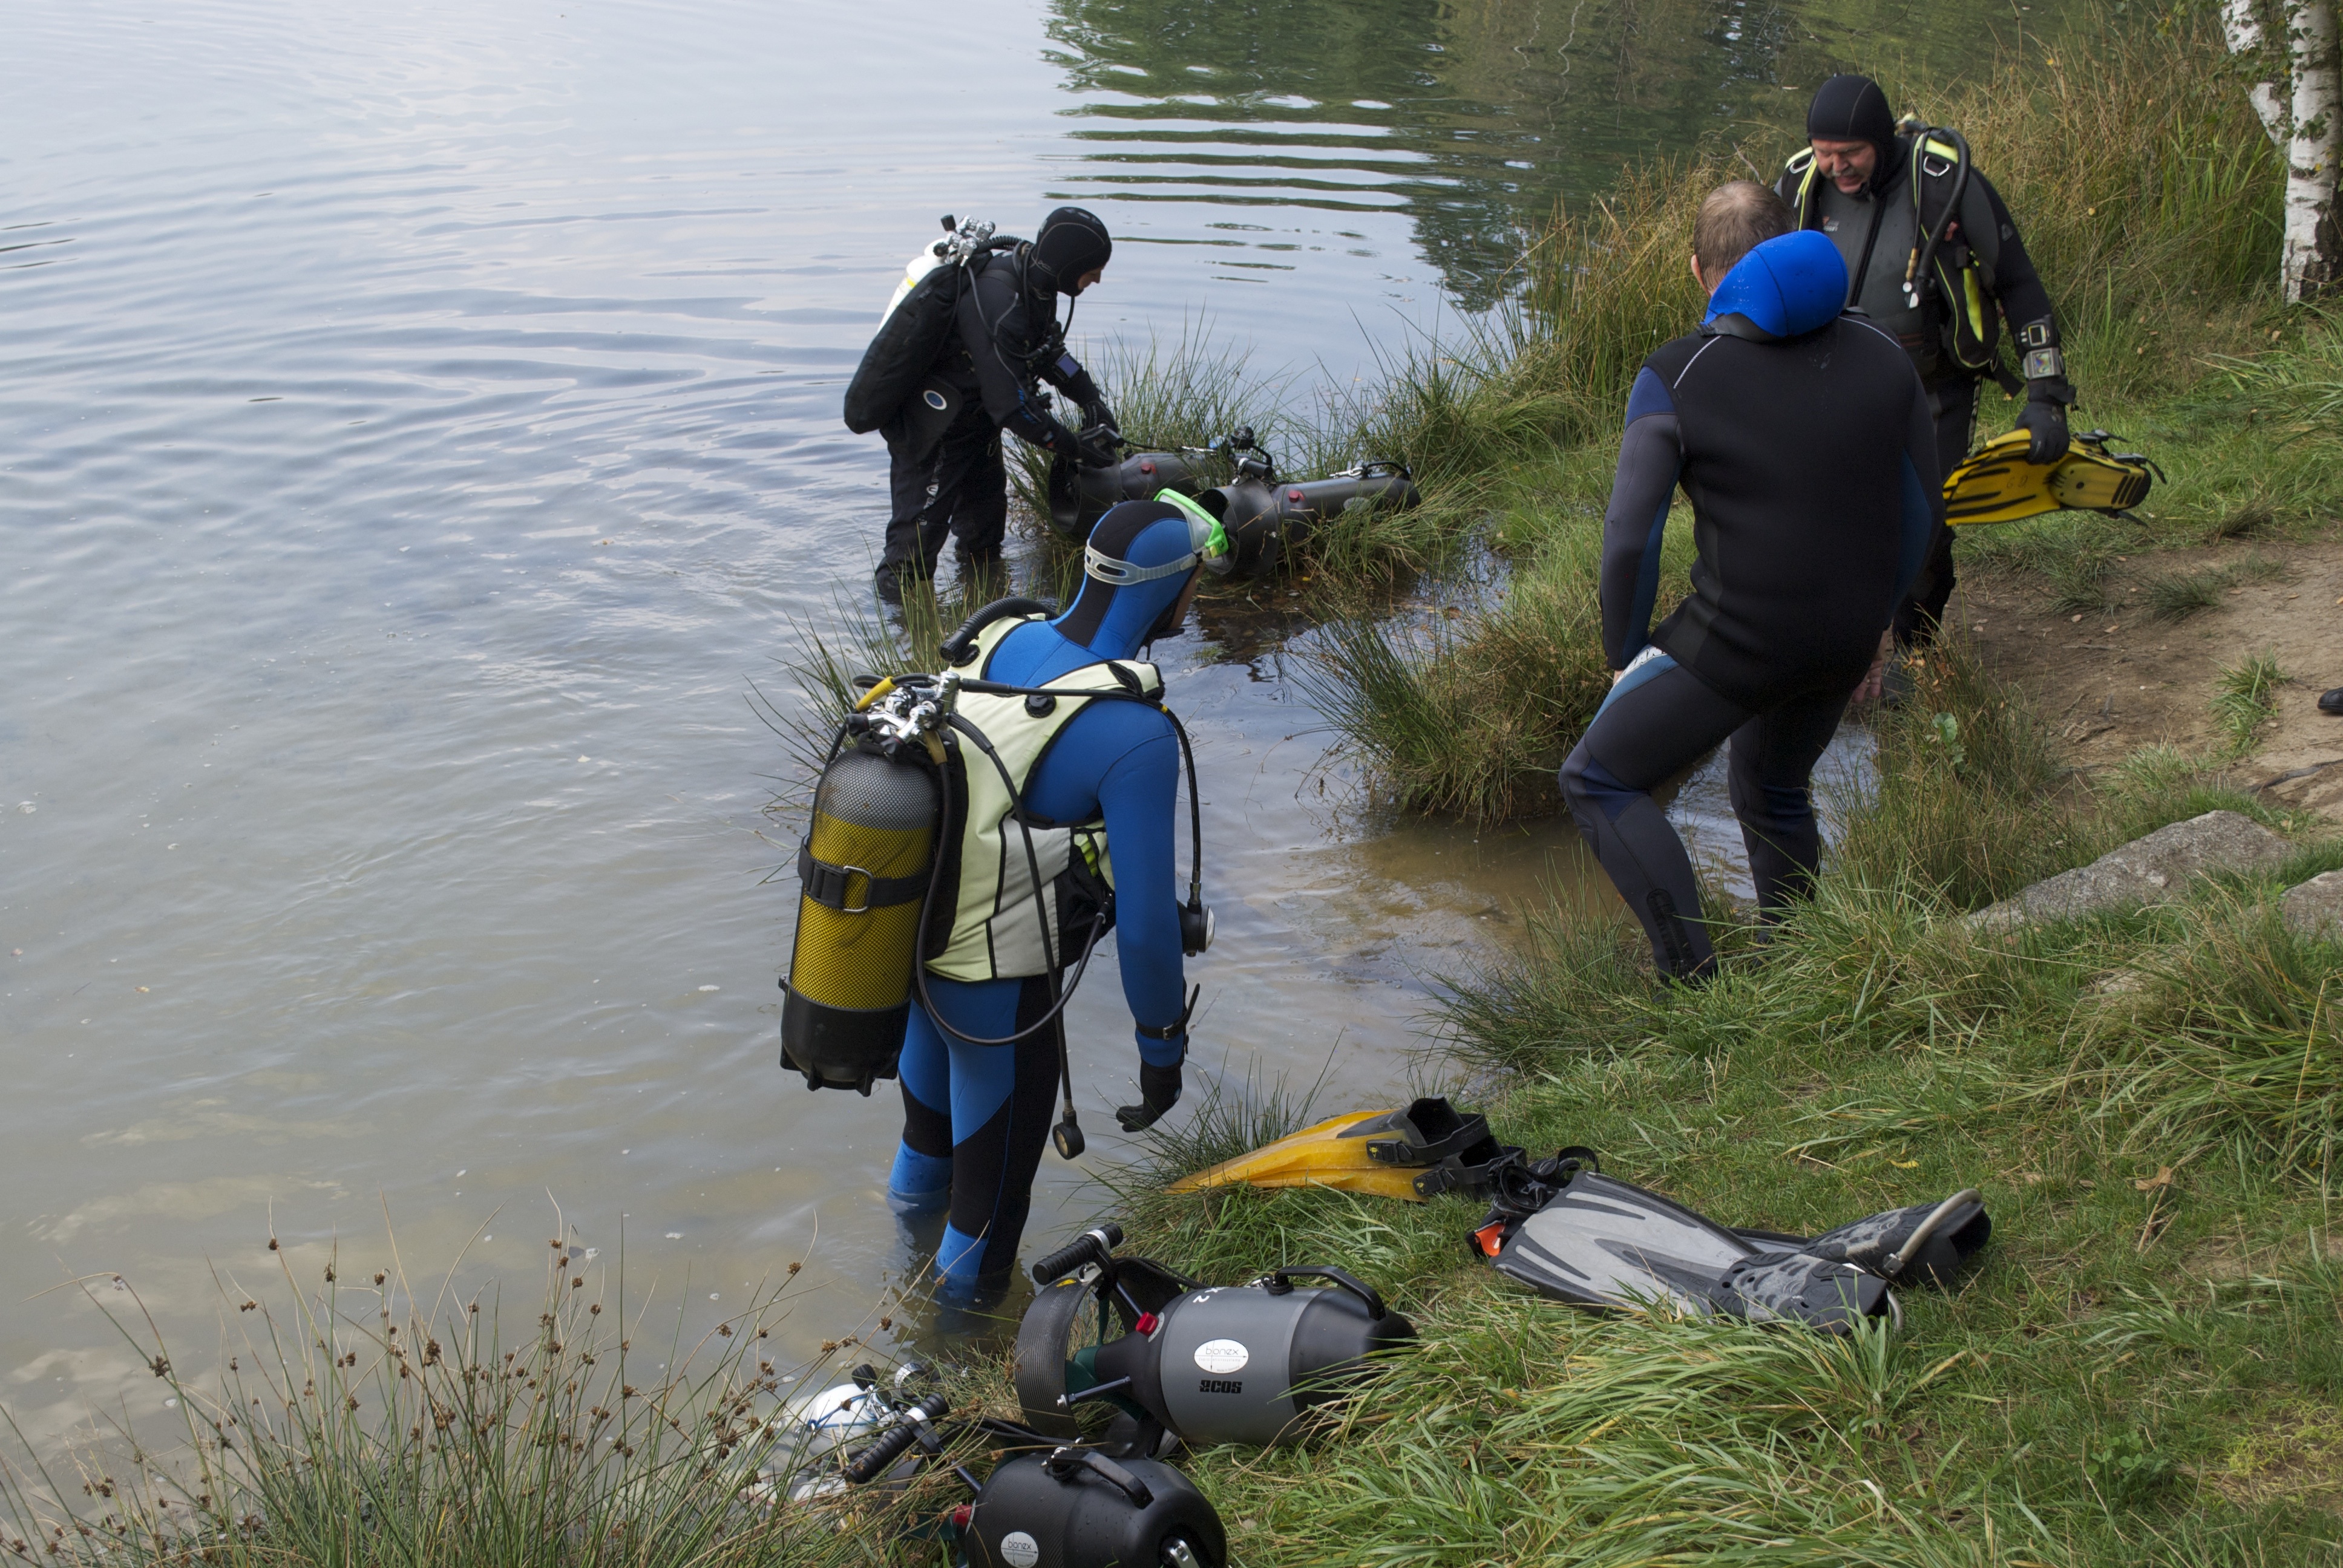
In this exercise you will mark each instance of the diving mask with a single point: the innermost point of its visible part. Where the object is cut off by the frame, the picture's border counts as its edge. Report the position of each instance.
(1207, 542)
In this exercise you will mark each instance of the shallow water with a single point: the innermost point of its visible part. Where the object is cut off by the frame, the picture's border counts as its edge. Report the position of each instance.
(418, 427)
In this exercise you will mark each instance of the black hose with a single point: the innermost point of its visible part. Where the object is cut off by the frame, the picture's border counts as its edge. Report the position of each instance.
(1952, 210)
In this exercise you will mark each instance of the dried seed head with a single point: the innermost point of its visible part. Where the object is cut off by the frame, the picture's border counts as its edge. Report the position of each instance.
(380, 1276)
(795, 1267)
(272, 1243)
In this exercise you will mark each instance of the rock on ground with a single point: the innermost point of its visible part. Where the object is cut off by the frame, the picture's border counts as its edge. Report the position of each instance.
(2315, 908)
(2143, 871)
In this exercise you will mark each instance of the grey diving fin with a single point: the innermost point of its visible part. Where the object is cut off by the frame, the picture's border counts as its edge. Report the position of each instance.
(1603, 1242)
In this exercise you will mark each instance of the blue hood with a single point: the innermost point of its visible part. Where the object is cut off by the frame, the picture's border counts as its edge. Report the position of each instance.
(1787, 287)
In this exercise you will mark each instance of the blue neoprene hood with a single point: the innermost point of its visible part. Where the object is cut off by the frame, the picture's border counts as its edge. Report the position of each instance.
(1789, 286)
(1111, 621)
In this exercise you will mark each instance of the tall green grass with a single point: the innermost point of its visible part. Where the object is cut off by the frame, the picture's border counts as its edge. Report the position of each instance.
(357, 1423)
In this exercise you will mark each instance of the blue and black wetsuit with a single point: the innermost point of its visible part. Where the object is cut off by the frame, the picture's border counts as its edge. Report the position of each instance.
(1801, 437)
(975, 1117)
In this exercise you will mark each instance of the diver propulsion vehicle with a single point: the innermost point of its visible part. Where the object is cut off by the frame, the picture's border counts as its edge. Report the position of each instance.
(1047, 1504)
(1999, 485)
(1417, 1154)
(1166, 1355)
(1263, 515)
(1567, 1230)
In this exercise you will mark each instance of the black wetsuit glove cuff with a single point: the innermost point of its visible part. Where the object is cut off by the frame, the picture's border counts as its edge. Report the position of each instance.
(2051, 389)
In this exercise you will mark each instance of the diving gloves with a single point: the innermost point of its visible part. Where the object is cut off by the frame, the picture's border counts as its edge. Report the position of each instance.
(1158, 1091)
(2047, 391)
(2045, 420)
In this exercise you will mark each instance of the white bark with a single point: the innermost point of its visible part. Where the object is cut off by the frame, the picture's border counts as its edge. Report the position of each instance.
(2300, 102)
(2311, 240)
(2243, 27)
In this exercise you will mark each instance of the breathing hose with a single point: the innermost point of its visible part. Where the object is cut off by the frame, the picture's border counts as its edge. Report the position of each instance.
(1926, 258)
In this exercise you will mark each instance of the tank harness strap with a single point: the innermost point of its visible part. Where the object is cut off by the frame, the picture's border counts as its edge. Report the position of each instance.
(826, 884)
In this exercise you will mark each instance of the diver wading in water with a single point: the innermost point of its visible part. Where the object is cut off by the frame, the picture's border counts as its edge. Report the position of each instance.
(1801, 562)
(975, 833)
(1935, 260)
(959, 358)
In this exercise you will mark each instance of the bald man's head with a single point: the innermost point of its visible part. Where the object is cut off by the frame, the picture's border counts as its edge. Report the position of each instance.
(1737, 218)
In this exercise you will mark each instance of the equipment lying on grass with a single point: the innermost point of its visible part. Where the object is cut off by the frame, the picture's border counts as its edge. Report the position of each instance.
(1047, 1505)
(1263, 515)
(1571, 1232)
(1208, 1364)
(1999, 485)
(1417, 1153)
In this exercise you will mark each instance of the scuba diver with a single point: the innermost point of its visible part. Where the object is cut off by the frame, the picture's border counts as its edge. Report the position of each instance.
(1800, 563)
(1935, 260)
(976, 1115)
(1005, 340)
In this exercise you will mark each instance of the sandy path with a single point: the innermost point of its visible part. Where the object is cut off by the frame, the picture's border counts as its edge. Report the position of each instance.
(2119, 681)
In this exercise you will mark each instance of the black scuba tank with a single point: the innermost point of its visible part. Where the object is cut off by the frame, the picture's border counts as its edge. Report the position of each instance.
(1232, 1363)
(1077, 1508)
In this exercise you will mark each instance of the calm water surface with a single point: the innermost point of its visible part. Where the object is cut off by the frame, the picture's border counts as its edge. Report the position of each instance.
(417, 427)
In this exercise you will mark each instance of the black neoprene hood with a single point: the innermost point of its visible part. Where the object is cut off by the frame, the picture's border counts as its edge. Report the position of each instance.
(1850, 109)
(1072, 243)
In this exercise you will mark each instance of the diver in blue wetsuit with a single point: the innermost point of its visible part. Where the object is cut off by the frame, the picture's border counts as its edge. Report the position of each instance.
(1801, 561)
(1093, 773)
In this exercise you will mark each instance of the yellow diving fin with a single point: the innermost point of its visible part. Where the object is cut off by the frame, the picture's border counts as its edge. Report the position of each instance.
(1417, 1154)
(1999, 485)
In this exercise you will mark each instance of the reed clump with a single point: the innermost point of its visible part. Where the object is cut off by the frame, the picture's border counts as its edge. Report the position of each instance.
(356, 1424)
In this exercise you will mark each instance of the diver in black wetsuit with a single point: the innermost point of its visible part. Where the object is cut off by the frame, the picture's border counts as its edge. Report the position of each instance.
(1006, 340)
(1802, 560)
(1878, 195)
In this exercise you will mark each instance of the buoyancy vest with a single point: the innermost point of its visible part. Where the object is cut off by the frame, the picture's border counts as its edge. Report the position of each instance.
(995, 931)
(1961, 301)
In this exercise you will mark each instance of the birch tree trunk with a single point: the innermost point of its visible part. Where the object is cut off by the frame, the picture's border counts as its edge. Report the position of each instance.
(2300, 101)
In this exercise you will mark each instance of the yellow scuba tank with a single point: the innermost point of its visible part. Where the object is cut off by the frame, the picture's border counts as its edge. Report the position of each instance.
(864, 869)
(1999, 485)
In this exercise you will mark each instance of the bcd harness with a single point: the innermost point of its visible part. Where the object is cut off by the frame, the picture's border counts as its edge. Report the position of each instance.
(1941, 254)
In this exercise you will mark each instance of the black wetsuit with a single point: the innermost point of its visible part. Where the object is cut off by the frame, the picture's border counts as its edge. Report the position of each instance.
(1874, 230)
(1808, 455)
(1005, 341)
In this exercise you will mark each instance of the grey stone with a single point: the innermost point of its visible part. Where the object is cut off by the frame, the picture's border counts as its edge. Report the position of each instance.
(2143, 871)
(2315, 908)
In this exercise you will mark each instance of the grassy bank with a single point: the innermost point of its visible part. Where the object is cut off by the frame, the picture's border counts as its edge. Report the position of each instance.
(2148, 198)
(2146, 1368)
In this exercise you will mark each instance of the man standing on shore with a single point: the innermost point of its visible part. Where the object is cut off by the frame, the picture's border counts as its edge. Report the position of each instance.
(1935, 262)
(1801, 561)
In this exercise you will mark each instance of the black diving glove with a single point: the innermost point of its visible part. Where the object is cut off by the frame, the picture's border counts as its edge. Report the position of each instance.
(1158, 1091)
(1096, 413)
(2045, 420)
(1092, 451)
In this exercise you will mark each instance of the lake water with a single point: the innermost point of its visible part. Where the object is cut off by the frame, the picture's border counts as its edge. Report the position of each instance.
(419, 426)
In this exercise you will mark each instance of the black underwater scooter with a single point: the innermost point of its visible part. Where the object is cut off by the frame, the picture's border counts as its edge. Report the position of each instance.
(1050, 1505)
(1262, 514)
(1204, 1363)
